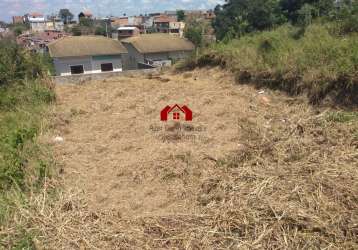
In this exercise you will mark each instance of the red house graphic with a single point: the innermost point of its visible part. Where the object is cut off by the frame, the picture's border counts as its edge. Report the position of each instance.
(176, 112)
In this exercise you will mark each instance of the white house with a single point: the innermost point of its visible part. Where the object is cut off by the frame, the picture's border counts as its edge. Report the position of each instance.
(86, 55)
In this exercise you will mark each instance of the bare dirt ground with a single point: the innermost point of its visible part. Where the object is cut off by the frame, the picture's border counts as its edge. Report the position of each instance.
(254, 169)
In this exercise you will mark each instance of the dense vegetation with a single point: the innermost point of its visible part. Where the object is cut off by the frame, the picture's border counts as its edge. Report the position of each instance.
(303, 47)
(239, 17)
(88, 26)
(24, 95)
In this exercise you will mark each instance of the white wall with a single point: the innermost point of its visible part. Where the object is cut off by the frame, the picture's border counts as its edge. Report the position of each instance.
(62, 65)
(38, 26)
(90, 64)
(98, 60)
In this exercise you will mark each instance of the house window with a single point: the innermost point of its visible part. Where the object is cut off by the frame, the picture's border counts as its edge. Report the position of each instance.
(77, 69)
(105, 67)
(176, 116)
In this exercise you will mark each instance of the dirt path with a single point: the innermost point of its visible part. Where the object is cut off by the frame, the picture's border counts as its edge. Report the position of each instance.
(250, 160)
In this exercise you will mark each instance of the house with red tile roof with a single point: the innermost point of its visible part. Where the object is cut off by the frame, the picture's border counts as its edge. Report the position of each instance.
(162, 23)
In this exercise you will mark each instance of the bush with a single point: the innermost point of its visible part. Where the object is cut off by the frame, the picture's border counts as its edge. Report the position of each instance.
(18, 65)
(23, 93)
(194, 34)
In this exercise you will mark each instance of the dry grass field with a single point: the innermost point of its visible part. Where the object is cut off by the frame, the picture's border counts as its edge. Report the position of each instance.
(255, 169)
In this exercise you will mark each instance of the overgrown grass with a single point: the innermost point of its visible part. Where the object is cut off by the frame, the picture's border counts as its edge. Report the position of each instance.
(343, 117)
(24, 163)
(315, 60)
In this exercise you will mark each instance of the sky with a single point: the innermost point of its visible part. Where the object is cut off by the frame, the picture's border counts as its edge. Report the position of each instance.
(101, 8)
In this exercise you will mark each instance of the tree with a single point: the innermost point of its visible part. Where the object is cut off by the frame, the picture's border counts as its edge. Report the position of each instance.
(180, 15)
(100, 31)
(65, 15)
(86, 22)
(194, 34)
(293, 8)
(242, 16)
(305, 15)
(19, 29)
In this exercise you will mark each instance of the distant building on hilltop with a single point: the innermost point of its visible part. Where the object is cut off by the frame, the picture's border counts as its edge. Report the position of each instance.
(119, 22)
(39, 23)
(177, 28)
(85, 14)
(55, 23)
(36, 21)
(34, 17)
(17, 19)
(37, 42)
(162, 23)
(171, 13)
(125, 32)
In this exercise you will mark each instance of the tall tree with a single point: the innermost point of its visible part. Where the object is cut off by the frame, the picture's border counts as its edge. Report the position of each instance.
(194, 34)
(180, 15)
(293, 8)
(66, 15)
(237, 17)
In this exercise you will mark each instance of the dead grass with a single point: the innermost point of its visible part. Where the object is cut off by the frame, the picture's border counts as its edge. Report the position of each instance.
(267, 172)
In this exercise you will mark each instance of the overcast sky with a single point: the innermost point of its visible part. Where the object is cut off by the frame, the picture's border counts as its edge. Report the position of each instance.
(9, 8)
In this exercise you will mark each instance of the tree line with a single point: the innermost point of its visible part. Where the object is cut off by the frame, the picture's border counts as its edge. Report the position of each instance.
(238, 17)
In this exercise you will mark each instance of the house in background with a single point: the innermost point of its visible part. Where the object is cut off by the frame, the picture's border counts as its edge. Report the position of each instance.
(137, 21)
(148, 24)
(4, 31)
(85, 14)
(37, 21)
(34, 17)
(55, 23)
(86, 55)
(155, 50)
(119, 22)
(171, 13)
(162, 23)
(37, 42)
(177, 28)
(125, 32)
(17, 19)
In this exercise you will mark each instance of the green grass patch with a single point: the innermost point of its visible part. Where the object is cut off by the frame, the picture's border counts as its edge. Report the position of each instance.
(342, 117)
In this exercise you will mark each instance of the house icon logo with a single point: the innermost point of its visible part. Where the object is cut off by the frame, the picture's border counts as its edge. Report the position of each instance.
(176, 113)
